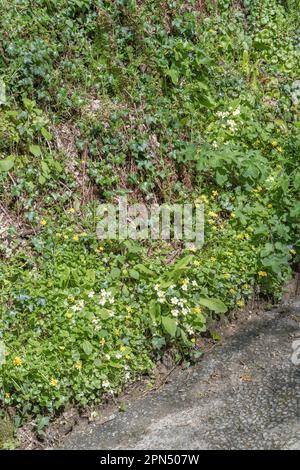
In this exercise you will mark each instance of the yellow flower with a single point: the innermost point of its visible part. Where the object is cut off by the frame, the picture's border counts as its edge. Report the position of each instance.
(196, 263)
(193, 249)
(17, 361)
(196, 310)
(122, 348)
(78, 365)
(102, 341)
(99, 249)
(213, 259)
(258, 189)
(43, 222)
(240, 303)
(75, 238)
(129, 309)
(294, 252)
(215, 193)
(212, 214)
(82, 162)
(203, 198)
(232, 291)
(7, 395)
(71, 210)
(274, 143)
(53, 382)
(226, 276)
(262, 273)
(193, 340)
(280, 149)
(270, 206)
(69, 314)
(232, 215)
(66, 237)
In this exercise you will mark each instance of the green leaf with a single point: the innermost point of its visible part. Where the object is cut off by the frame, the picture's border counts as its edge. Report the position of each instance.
(134, 274)
(90, 277)
(173, 74)
(35, 150)
(206, 101)
(144, 270)
(216, 305)
(169, 325)
(104, 313)
(6, 164)
(87, 347)
(42, 179)
(46, 134)
(115, 273)
(155, 310)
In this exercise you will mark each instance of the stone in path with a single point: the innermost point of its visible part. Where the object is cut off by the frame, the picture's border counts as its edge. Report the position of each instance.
(244, 394)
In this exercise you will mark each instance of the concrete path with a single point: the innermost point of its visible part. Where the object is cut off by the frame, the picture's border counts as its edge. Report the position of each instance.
(244, 394)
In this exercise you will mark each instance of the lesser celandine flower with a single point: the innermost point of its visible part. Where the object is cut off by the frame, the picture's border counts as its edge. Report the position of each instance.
(53, 382)
(17, 361)
(262, 273)
(197, 310)
(43, 222)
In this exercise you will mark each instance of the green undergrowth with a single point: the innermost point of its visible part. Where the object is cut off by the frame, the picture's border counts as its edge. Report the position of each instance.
(159, 101)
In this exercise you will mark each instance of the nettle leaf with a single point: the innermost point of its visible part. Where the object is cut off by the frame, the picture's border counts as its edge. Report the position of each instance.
(216, 305)
(6, 164)
(87, 347)
(169, 325)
